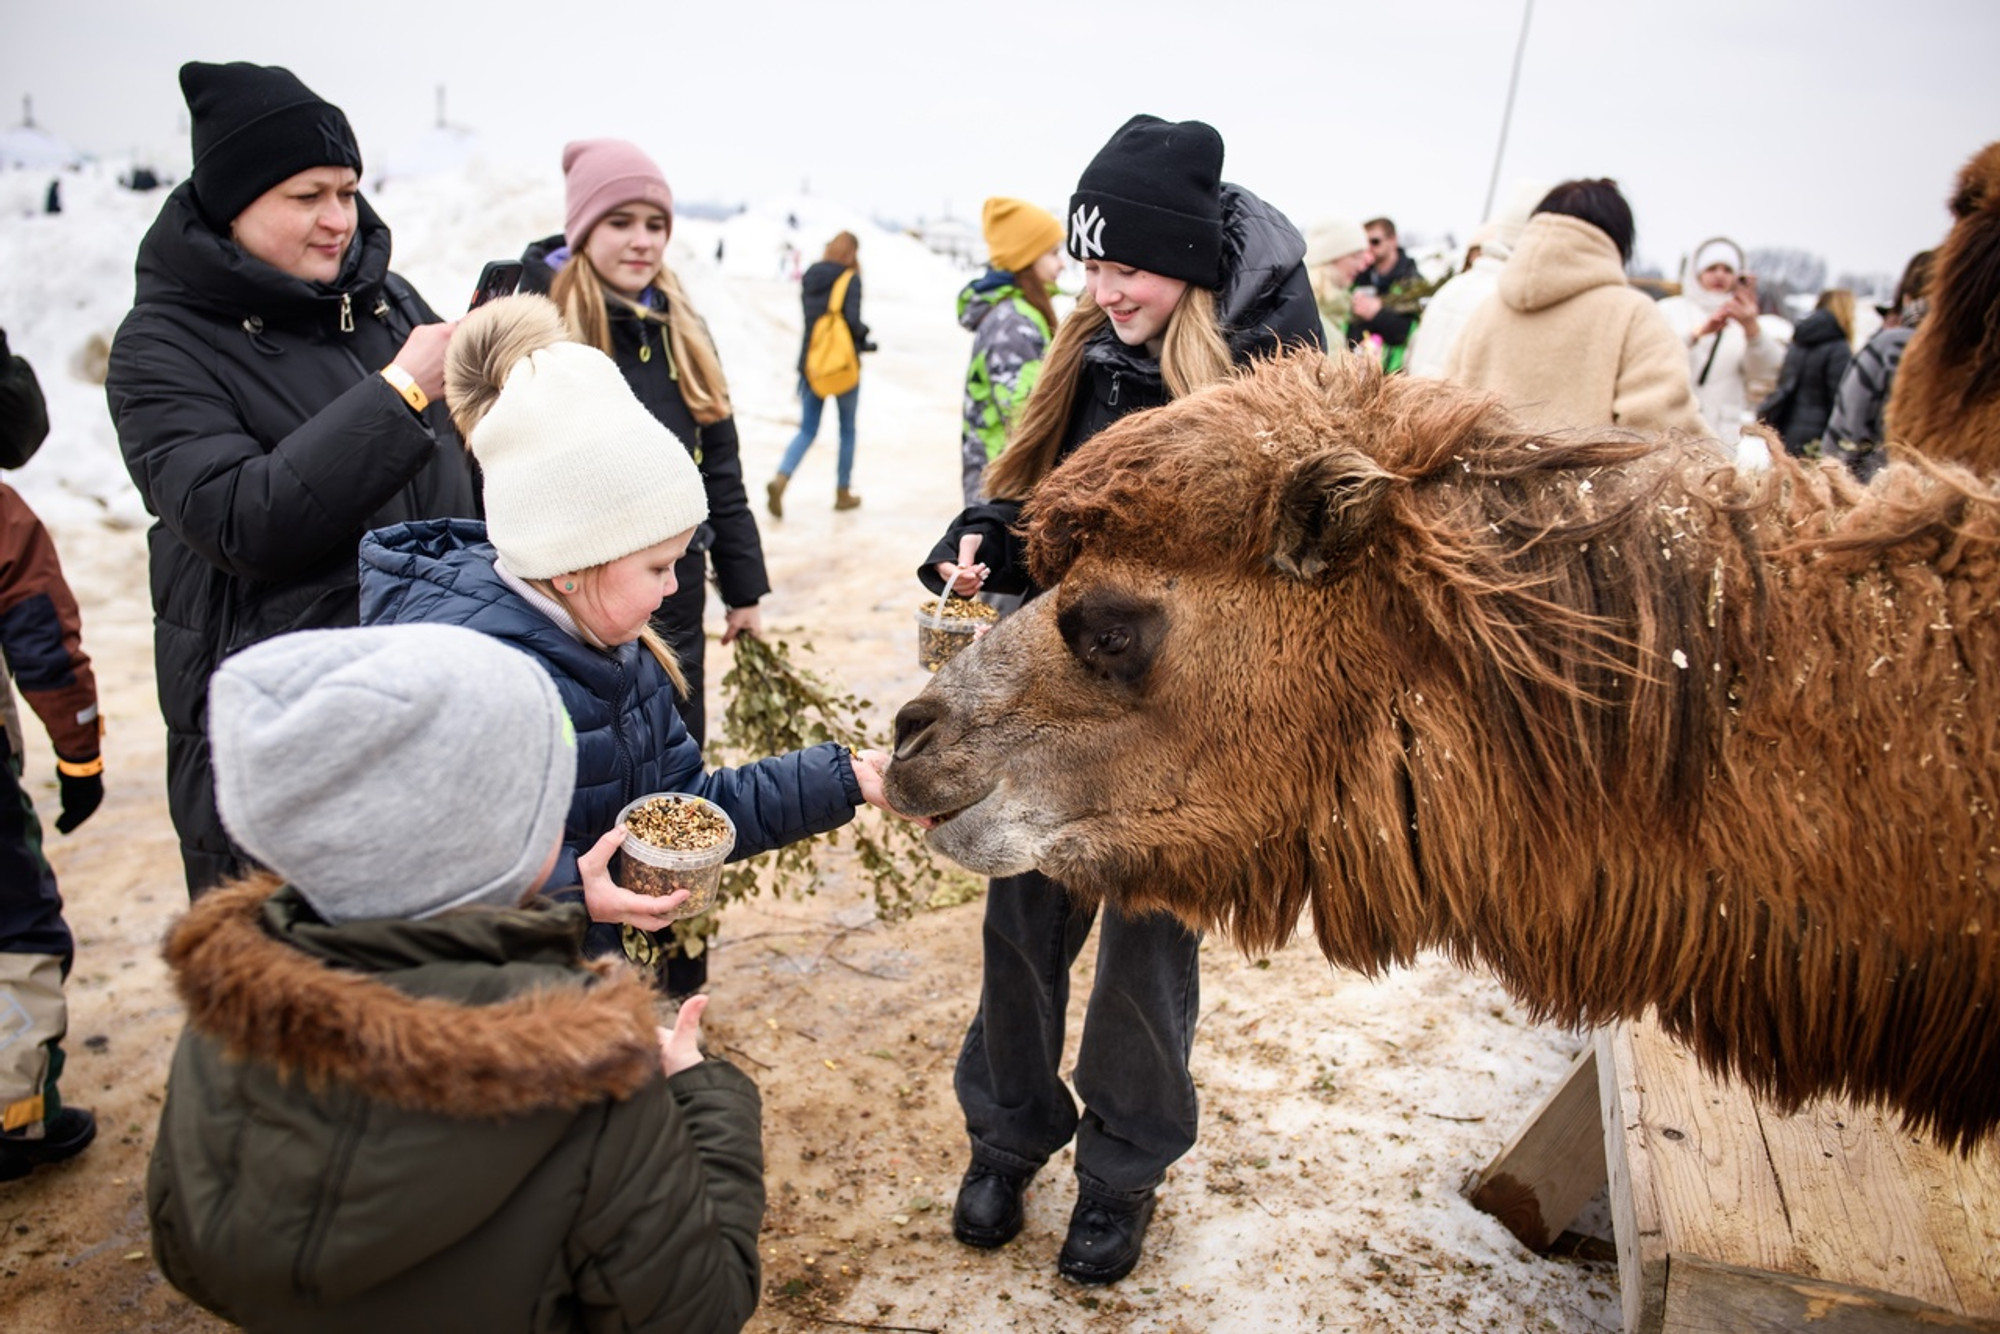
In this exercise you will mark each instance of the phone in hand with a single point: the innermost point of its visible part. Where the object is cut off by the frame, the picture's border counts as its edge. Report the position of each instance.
(499, 278)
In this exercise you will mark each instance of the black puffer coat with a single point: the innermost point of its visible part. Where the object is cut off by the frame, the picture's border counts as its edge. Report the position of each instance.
(1809, 383)
(1265, 304)
(263, 441)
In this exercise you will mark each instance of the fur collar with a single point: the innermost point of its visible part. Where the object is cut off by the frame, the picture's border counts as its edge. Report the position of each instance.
(267, 1002)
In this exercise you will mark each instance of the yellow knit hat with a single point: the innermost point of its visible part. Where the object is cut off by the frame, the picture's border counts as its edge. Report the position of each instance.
(1018, 233)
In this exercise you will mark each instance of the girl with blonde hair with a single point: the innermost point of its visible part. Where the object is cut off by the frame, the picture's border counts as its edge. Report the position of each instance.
(1185, 279)
(591, 509)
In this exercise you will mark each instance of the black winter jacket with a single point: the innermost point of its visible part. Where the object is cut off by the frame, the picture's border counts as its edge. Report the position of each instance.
(630, 741)
(263, 441)
(1391, 326)
(1265, 303)
(815, 287)
(1809, 382)
(735, 548)
(24, 414)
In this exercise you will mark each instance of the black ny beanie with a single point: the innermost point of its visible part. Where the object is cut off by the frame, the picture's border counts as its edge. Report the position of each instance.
(254, 126)
(1152, 198)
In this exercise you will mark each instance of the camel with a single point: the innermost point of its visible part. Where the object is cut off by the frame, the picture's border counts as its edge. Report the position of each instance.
(1945, 400)
(1599, 713)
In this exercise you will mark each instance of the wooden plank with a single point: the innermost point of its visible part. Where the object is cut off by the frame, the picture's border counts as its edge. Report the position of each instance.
(1719, 1197)
(1632, 1192)
(1553, 1165)
(1855, 1203)
(1704, 1297)
(1961, 1202)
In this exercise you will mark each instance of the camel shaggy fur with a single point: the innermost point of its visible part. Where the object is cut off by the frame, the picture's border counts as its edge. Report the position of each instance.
(1945, 401)
(1602, 715)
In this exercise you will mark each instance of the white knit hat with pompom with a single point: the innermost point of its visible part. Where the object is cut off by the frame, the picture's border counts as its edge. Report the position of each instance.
(577, 471)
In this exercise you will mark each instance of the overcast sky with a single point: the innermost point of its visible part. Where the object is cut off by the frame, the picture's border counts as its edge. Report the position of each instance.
(1834, 126)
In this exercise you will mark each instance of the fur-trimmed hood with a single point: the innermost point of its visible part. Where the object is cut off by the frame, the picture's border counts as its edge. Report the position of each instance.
(489, 1020)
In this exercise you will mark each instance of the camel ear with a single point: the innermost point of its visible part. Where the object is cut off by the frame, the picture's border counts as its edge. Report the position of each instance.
(1327, 512)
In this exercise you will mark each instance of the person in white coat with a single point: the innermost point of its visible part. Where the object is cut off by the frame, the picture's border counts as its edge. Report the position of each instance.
(1452, 304)
(1729, 349)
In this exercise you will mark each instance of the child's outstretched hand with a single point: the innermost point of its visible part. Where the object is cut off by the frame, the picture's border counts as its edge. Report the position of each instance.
(606, 902)
(680, 1047)
(868, 767)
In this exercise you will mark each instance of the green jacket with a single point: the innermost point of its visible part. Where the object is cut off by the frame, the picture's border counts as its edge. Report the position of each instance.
(441, 1125)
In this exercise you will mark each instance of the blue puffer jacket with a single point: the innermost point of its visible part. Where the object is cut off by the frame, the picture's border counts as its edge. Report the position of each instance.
(629, 739)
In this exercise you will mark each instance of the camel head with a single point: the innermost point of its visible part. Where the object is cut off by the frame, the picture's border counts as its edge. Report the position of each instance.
(1222, 592)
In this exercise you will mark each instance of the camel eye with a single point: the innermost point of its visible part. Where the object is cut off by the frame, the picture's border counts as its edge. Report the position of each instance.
(1112, 635)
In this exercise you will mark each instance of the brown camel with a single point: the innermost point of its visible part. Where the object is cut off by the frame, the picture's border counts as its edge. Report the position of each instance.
(1945, 401)
(1599, 714)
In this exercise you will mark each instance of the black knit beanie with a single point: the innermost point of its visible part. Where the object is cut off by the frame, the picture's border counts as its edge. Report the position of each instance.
(1152, 198)
(254, 126)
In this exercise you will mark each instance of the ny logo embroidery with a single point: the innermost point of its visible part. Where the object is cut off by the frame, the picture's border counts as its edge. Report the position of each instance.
(1086, 232)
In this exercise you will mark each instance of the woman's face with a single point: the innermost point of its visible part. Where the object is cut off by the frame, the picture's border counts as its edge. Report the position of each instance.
(1718, 277)
(614, 601)
(302, 226)
(1139, 303)
(1049, 267)
(626, 246)
(1351, 266)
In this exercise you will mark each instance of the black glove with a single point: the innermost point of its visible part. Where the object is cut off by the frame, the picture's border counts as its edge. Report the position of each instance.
(80, 797)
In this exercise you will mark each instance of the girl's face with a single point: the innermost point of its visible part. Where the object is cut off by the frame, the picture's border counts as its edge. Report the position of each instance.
(1139, 303)
(1049, 267)
(626, 245)
(302, 226)
(615, 600)
(1718, 277)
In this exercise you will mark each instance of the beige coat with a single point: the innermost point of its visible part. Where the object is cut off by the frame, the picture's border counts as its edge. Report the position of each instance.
(1567, 342)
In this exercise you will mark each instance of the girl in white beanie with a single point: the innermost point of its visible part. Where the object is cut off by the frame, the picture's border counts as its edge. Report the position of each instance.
(590, 505)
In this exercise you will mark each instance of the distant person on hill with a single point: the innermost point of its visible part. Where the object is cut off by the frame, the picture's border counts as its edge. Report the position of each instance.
(1809, 381)
(1727, 348)
(1565, 339)
(41, 648)
(1377, 321)
(1855, 429)
(1007, 308)
(815, 291)
(402, 1100)
(277, 392)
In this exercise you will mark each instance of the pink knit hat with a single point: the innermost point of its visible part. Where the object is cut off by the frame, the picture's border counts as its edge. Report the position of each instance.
(601, 174)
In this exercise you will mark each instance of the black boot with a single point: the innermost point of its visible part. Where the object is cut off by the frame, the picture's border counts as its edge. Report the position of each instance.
(65, 1135)
(1105, 1238)
(988, 1210)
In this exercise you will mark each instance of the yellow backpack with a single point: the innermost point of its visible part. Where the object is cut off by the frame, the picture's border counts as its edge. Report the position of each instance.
(832, 365)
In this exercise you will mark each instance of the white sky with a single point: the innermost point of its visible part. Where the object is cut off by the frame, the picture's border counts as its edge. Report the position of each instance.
(1834, 126)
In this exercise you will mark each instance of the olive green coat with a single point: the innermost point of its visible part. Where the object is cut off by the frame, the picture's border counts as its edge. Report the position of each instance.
(438, 1125)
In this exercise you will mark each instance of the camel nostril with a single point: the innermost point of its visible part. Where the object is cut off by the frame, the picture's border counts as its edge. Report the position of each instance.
(915, 723)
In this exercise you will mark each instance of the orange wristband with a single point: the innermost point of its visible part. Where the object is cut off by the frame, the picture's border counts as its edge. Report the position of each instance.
(80, 768)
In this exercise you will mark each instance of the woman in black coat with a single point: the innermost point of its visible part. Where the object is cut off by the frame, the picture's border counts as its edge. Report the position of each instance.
(277, 393)
(1809, 384)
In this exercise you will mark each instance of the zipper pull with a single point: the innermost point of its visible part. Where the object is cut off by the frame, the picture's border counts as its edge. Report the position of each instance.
(381, 311)
(346, 313)
(1114, 389)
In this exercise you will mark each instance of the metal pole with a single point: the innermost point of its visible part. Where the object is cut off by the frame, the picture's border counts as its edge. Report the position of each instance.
(1513, 82)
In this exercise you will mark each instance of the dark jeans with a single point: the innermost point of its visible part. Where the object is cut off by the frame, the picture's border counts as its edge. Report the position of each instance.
(1139, 1113)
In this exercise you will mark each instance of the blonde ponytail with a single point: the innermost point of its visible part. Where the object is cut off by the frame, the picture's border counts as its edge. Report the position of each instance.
(485, 349)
